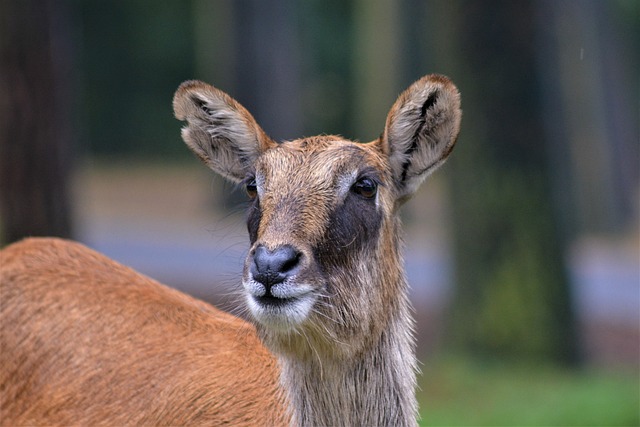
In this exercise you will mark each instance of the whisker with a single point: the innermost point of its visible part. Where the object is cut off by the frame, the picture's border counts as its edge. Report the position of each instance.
(326, 316)
(315, 351)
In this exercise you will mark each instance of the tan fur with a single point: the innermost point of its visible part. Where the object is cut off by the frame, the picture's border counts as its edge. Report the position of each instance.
(87, 341)
(96, 343)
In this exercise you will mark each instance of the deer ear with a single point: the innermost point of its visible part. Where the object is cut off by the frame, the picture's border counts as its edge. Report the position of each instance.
(421, 130)
(220, 131)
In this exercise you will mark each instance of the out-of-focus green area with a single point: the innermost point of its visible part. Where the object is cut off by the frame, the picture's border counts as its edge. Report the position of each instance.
(460, 392)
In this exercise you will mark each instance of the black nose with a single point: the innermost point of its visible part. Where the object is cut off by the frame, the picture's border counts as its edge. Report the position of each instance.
(273, 267)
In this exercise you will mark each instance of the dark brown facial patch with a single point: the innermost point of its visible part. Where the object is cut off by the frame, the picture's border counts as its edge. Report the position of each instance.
(254, 214)
(352, 226)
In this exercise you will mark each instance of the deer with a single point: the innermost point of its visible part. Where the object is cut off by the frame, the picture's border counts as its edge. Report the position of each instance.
(329, 338)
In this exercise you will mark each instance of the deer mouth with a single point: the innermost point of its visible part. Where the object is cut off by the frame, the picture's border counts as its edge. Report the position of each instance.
(283, 306)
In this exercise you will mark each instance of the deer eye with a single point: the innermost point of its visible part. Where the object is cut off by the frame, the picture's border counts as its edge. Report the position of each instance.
(251, 187)
(366, 187)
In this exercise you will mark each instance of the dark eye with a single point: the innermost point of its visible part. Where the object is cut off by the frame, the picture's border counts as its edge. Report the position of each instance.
(251, 187)
(366, 187)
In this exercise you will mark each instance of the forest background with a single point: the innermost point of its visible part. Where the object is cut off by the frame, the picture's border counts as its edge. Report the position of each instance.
(522, 251)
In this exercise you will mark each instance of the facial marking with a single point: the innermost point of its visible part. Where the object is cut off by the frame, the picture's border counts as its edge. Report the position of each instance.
(345, 182)
(260, 184)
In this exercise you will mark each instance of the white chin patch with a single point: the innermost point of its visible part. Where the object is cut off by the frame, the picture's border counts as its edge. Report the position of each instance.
(285, 309)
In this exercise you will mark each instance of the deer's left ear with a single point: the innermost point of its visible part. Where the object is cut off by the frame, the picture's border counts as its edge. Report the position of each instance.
(421, 130)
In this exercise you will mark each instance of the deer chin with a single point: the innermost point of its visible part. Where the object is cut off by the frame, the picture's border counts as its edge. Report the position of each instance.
(284, 308)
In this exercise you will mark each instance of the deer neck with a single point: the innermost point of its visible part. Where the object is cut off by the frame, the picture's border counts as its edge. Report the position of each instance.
(377, 387)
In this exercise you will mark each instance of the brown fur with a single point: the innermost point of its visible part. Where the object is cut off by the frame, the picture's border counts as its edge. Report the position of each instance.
(87, 341)
(99, 343)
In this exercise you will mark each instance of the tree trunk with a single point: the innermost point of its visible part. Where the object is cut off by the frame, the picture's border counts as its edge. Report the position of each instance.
(35, 146)
(377, 64)
(512, 298)
(268, 65)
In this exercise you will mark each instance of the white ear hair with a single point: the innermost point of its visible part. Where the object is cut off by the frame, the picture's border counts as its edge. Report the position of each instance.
(220, 131)
(421, 130)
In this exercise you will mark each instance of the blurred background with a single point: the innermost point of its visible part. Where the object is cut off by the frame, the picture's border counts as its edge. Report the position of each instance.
(523, 251)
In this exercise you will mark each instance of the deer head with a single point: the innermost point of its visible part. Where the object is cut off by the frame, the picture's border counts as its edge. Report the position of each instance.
(322, 218)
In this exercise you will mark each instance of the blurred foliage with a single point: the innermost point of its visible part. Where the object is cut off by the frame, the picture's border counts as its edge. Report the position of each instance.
(133, 55)
(326, 36)
(460, 392)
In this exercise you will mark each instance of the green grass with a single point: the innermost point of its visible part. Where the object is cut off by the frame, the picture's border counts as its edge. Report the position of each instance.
(461, 393)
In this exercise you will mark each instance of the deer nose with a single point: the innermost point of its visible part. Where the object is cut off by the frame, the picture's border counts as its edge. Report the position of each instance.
(273, 267)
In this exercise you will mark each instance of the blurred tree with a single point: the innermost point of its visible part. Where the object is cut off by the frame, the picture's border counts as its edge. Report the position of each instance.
(326, 34)
(35, 119)
(588, 57)
(215, 41)
(267, 69)
(133, 56)
(512, 298)
(377, 64)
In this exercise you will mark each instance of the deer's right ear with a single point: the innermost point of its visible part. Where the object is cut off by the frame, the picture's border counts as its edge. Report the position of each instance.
(220, 131)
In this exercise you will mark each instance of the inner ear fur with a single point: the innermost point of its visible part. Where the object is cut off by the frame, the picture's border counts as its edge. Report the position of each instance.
(220, 131)
(421, 131)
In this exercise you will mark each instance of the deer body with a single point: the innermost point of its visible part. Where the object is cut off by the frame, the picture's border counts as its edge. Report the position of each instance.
(87, 341)
(323, 282)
